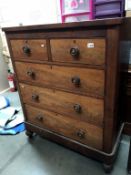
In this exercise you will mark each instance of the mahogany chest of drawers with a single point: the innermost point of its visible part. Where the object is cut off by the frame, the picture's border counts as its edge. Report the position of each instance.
(68, 80)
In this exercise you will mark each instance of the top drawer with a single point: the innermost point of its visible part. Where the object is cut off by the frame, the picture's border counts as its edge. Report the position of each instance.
(29, 49)
(85, 51)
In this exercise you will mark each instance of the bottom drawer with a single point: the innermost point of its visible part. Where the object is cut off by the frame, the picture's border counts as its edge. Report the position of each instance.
(80, 131)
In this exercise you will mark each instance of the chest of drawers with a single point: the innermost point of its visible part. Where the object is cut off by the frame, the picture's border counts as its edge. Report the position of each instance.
(68, 80)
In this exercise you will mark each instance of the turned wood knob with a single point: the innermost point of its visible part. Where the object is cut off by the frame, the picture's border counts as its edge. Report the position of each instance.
(39, 118)
(77, 108)
(81, 133)
(76, 81)
(35, 97)
(26, 50)
(74, 52)
(30, 73)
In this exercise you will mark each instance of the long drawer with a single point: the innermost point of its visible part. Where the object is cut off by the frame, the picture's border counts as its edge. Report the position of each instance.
(85, 51)
(79, 80)
(30, 49)
(80, 131)
(74, 106)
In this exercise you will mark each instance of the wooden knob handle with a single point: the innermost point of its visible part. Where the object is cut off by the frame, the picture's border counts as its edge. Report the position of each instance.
(77, 108)
(76, 81)
(39, 117)
(35, 97)
(81, 133)
(74, 52)
(30, 73)
(26, 50)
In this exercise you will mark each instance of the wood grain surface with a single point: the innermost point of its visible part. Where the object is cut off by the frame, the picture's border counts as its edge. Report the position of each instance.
(92, 135)
(63, 102)
(91, 51)
(91, 80)
(37, 46)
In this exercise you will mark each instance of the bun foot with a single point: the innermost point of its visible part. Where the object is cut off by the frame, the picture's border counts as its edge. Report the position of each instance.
(129, 171)
(29, 134)
(107, 168)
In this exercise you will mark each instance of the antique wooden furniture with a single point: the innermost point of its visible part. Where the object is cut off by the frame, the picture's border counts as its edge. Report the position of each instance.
(68, 79)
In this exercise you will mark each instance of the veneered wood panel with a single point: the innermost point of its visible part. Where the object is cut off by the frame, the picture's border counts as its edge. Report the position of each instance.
(91, 80)
(94, 24)
(38, 49)
(90, 134)
(89, 109)
(111, 118)
(91, 51)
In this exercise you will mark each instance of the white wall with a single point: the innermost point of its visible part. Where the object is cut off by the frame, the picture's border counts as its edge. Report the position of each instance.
(3, 71)
(27, 12)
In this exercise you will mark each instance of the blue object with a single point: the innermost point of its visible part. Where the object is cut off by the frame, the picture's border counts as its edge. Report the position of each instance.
(7, 102)
(4, 102)
(13, 131)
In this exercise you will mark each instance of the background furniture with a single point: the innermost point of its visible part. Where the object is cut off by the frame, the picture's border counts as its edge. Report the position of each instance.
(125, 85)
(76, 10)
(129, 159)
(126, 100)
(125, 89)
(108, 9)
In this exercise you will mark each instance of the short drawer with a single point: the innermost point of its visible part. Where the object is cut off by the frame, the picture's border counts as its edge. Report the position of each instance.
(74, 106)
(31, 49)
(78, 80)
(82, 132)
(85, 51)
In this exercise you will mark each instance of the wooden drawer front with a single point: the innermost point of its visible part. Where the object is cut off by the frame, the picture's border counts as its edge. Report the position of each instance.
(83, 132)
(75, 106)
(29, 49)
(85, 51)
(81, 80)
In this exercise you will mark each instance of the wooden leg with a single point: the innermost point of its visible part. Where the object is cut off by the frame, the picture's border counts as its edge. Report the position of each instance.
(129, 159)
(29, 134)
(108, 168)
